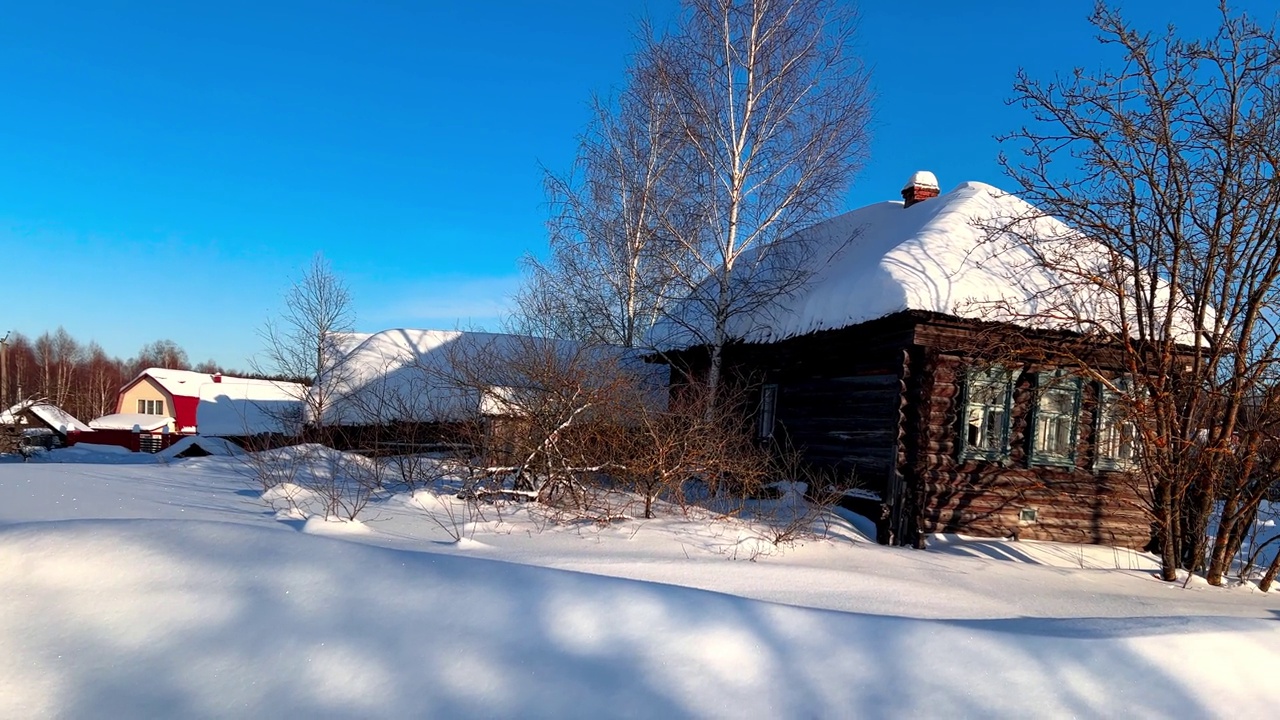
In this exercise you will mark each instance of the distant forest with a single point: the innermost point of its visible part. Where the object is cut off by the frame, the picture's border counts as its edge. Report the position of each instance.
(80, 377)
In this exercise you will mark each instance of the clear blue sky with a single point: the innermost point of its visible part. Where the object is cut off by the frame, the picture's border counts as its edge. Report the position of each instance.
(167, 169)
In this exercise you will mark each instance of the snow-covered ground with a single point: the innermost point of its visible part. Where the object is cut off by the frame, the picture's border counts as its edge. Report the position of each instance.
(136, 586)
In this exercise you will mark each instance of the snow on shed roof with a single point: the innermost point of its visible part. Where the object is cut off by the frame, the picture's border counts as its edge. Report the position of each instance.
(50, 414)
(128, 421)
(243, 406)
(408, 374)
(974, 252)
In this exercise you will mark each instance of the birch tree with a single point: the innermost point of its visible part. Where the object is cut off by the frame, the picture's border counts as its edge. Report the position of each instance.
(773, 111)
(1170, 162)
(609, 271)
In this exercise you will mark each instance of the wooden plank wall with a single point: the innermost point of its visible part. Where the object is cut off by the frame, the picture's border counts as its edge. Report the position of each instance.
(840, 394)
(979, 497)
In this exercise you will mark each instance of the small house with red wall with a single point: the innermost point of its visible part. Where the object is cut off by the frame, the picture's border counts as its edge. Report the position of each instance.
(160, 406)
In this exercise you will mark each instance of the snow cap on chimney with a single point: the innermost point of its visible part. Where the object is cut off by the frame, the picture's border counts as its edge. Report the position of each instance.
(922, 186)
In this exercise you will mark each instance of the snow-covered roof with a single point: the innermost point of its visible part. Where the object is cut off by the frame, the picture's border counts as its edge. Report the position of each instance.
(50, 414)
(408, 374)
(210, 446)
(974, 252)
(129, 421)
(230, 405)
(185, 383)
(243, 406)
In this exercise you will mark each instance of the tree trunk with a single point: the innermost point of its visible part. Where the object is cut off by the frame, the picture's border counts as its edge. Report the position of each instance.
(1168, 521)
(1228, 529)
(1265, 584)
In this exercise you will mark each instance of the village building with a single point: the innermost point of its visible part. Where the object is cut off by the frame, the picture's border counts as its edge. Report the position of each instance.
(41, 424)
(903, 368)
(410, 389)
(160, 406)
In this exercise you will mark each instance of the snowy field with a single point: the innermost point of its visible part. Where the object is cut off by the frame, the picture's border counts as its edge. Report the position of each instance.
(141, 587)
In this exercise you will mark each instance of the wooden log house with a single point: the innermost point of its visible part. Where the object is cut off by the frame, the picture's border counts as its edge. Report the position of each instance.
(924, 412)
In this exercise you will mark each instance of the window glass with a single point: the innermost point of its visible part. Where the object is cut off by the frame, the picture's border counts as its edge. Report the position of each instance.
(1057, 411)
(768, 408)
(1117, 433)
(989, 393)
(151, 407)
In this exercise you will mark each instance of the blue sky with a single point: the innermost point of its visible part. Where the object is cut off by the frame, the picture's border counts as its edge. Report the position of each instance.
(167, 169)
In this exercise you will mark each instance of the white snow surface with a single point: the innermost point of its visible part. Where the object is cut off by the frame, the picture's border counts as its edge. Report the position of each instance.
(128, 421)
(242, 406)
(974, 252)
(922, 178)
(52, 415)
(179, 588)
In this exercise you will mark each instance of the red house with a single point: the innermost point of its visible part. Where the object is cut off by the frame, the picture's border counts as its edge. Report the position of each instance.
(160, 406)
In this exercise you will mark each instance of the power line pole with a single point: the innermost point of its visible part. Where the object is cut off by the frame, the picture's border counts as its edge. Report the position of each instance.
(4, 369)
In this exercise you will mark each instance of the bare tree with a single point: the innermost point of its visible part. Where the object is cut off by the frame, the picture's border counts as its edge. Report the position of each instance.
(773, 111)
(57, 368)
(1169, 164)
(58, 354)
(610, 270)
(163, 353)
(305, 341)
(103, 378)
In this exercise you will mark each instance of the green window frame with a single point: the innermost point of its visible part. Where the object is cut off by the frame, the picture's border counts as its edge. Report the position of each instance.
(988, 405)
(1116, 445)
(1055, 418)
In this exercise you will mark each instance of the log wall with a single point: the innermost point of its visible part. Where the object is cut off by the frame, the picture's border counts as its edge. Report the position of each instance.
(981, 497)
(840, 398)
(879, 405)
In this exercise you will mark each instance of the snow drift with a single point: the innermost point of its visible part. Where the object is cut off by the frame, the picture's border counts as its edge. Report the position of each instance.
(197, 619)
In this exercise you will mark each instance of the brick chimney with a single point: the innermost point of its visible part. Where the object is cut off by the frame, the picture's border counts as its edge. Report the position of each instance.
(922, 186)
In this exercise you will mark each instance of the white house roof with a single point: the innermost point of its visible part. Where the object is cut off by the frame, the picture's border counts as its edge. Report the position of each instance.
(408, 374)
(52, 415)
(128, 421)
(185, 383)
(972, 252)
(189, 383)
(243, 406)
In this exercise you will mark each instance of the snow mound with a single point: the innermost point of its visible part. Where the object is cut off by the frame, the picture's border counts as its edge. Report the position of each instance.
(317, 525)
(311, 456)
(1059, 555)
(286, 491)
(92, 450)
(133, 618)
